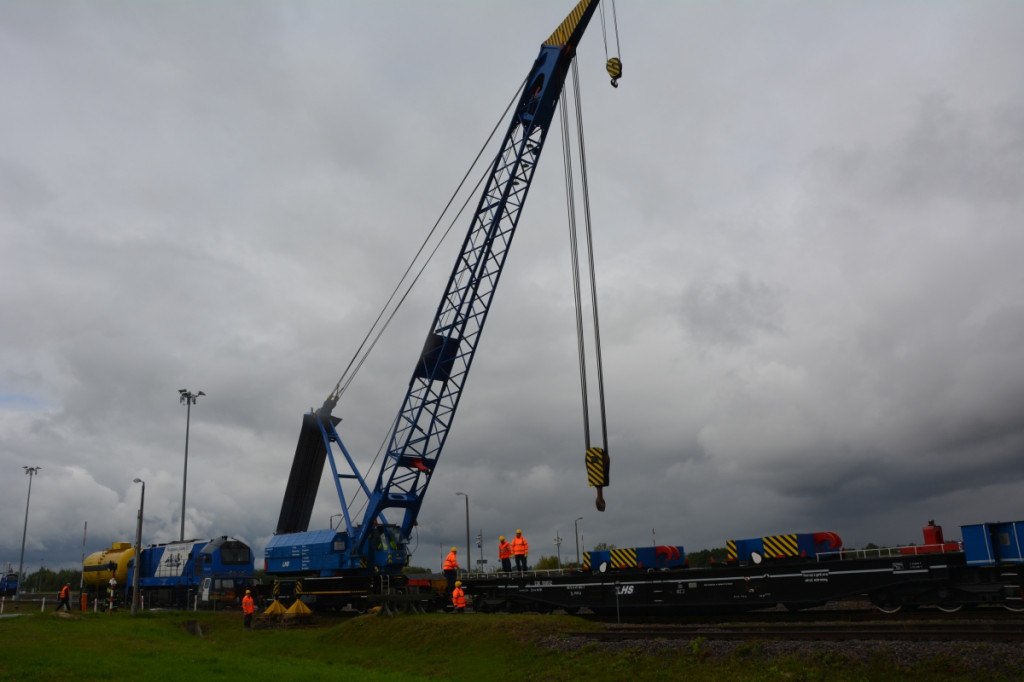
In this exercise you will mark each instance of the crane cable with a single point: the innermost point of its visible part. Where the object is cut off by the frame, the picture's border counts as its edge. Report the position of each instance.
(359, 357)
(612, 64)
(597, 459)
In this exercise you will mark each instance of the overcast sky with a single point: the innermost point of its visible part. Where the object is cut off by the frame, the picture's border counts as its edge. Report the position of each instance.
(808, 244)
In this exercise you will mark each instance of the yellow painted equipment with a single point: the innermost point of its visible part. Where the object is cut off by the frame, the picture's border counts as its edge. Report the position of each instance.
(100, 567)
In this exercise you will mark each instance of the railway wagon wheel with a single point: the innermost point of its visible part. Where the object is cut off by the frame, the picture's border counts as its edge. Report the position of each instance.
(886, 603)
(1015, 604)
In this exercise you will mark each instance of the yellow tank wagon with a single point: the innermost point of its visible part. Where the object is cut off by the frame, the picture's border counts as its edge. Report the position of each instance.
(100, 567)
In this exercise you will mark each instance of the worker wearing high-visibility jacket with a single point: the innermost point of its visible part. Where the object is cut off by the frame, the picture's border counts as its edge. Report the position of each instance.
(451, 568)
(458, 598)
(520, 548)
(505, 553)
(248, 608)
(64, 598)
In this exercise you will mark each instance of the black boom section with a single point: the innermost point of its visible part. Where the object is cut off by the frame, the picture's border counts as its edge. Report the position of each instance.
(437, 359)
(304, 479)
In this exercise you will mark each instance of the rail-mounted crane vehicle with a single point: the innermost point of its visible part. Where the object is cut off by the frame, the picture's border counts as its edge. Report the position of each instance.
(361, 562)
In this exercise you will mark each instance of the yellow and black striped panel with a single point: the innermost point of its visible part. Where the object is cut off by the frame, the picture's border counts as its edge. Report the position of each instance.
(614, 67)
(730, 550)
(623, 558)
(586, 560)
(564, 31)
(297, 590)
(597, 468)
(780, 545)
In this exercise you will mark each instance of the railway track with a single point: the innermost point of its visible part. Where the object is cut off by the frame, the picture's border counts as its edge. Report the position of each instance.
(848, 614)
(956, 630)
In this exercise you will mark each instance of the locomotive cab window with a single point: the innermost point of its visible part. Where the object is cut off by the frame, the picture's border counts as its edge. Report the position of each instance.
(232, 554)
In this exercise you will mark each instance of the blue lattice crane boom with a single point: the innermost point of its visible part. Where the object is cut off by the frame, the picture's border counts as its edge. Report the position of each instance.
(440, 374)
(374, 545)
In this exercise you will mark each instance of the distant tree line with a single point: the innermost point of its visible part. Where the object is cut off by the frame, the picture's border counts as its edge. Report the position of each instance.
(706, 557)
(45, 580)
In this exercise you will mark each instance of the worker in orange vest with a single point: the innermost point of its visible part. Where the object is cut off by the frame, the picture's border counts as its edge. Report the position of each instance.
(520, 548)
(248, 608)
(505, 554)
(64, 596)
(451, 568)
(459, 598)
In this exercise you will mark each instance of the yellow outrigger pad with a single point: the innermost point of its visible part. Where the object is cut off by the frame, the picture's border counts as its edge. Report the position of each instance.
(298, 607)
(276, 608)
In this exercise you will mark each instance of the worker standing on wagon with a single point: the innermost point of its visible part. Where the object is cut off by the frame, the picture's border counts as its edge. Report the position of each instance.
(248, 608)
(64, 597)
(520, 548)
(451, 568)
(505, 554)
(458, 598)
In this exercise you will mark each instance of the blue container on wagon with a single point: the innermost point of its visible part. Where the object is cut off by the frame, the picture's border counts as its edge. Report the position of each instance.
(741, 550)
(988, 544)
(661, 556)
(789, 545)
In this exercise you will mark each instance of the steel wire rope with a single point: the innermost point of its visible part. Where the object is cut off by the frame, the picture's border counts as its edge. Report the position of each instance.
(585, 188)
(570, 204)
(347, 378)
(394, 421)
(604, 31)
(574, 255)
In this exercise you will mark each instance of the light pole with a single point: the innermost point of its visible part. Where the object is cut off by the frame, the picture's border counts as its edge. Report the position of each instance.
(31, 471)
(138, 549)
(468, 550)
(188, 399)
(575, 525)
(558, 548)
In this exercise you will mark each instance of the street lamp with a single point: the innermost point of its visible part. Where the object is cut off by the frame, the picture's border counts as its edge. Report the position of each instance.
(575, 524)
(468, 550)
(31, 471)
(138, 549)
(188, 399)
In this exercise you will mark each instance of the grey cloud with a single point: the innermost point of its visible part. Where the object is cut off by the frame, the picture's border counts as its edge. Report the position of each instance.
(807, 221)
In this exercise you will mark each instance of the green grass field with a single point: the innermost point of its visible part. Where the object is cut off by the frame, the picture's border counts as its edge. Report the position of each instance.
(160, 646)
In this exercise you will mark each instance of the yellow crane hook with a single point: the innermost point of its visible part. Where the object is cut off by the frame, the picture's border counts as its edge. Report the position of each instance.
(614, 66)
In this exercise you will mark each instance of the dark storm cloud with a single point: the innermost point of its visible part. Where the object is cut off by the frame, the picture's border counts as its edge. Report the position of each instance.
(806, 231)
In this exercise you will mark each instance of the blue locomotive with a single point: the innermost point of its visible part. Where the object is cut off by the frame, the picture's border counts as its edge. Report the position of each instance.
(184, 574)
(8, 583)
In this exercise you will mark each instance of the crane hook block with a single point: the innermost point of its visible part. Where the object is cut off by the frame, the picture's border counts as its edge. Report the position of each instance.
(598, 466)
(614, 66)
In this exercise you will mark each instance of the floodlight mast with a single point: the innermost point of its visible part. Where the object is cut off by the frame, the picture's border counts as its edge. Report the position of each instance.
(188, 399)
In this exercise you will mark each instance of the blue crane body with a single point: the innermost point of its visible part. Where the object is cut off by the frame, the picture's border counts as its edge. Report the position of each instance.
(372, 546)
